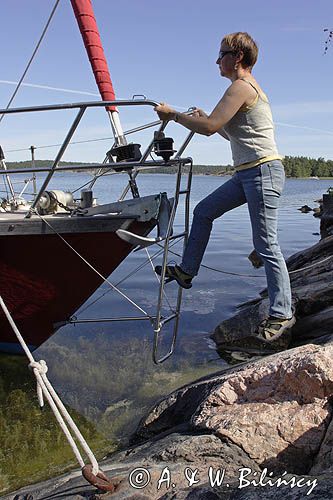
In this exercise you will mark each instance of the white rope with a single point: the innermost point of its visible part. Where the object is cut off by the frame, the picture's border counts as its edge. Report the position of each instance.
(44, 388)
(311, 265)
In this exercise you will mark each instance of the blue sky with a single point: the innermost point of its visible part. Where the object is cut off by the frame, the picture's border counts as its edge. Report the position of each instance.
(167, 51)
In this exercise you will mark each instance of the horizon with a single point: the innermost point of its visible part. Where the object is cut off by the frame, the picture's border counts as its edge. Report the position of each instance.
(226, 165)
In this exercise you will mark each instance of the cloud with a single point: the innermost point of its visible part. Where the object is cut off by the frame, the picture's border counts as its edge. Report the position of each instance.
(301, 109)
(46, 87)
(302, 127)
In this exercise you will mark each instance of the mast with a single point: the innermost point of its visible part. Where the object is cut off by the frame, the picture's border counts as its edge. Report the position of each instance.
(85, 17)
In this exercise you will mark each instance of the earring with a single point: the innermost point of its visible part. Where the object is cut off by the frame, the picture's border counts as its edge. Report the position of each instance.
(236, 66)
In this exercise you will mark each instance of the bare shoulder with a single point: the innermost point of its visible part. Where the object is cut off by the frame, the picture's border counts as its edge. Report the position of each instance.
(240, 88)
(257, 88)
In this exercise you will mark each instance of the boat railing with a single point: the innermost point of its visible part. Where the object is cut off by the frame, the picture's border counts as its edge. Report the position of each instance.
(82, 107)
(133, 168)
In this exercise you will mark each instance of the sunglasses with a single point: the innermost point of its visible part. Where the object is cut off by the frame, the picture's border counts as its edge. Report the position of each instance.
(223, 53)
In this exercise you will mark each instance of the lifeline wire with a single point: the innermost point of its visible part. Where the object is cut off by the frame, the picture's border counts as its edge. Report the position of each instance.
(127, 132)
(93, 268)
(254, 275)
(32, 57)
(60, 144)
(129, 275)
(202, 265)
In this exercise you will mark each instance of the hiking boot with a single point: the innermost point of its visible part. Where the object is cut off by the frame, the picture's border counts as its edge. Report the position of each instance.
(276, 331)
(175, 273)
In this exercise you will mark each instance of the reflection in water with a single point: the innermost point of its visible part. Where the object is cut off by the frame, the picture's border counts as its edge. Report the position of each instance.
(105, 371)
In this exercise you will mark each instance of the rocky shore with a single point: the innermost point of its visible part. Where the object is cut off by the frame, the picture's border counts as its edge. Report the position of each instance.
(257, 430)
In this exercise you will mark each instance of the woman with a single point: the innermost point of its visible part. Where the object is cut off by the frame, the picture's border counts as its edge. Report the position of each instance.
(244, 118)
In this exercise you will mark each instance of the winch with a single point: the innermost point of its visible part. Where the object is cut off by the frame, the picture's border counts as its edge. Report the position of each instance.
(163, 146)
(55, 201)
(124, 153)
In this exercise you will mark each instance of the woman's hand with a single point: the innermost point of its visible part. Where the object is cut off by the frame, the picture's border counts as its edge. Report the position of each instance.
(165, 112)
(196, 121)
(199, 113)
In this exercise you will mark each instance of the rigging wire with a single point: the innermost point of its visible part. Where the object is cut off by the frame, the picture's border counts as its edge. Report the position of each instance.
(60, 144)
(6, 187)
(106, 280)
(257, 275)
(129, 275)
(31, 58)
(150, 258)
(131, 131)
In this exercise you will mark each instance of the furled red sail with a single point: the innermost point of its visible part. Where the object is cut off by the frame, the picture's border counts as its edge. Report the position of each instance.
(87, 23)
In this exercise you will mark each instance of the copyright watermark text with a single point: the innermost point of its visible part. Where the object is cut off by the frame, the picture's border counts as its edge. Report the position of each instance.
(140, 478)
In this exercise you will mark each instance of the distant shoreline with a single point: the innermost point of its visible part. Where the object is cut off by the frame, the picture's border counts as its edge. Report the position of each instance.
(296, 167)
(196, 174)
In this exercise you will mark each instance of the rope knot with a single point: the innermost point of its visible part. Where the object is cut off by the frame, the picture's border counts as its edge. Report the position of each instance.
(41, 366)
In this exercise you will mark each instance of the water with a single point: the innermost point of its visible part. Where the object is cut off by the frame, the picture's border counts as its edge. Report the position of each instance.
(214, 295)
(105, 370)
(114, 359)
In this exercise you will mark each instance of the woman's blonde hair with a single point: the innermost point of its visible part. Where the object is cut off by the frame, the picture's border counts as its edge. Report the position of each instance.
(242, 41)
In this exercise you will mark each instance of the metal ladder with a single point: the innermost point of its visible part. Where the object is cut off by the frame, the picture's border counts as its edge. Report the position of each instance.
(159, 321)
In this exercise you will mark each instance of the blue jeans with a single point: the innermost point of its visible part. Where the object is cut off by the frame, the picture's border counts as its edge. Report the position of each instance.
(260, 187)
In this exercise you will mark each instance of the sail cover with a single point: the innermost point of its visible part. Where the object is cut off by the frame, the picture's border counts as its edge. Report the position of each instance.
(85, 17)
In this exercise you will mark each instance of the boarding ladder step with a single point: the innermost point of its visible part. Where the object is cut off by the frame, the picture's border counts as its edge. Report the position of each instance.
(160, 321)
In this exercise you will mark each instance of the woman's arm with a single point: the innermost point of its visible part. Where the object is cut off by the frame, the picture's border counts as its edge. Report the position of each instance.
(227, 107)
(221, 132)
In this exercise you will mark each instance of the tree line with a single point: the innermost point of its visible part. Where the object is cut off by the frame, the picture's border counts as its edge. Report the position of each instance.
(295, 166)
(301, 166)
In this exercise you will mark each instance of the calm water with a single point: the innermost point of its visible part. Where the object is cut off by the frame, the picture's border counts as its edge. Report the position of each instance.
(213, 296)
(105, 370)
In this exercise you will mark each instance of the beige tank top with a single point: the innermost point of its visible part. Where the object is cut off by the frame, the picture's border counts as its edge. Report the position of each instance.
(251, 133)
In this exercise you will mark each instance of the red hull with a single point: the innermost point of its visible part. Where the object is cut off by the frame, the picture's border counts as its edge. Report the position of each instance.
(43, 282)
